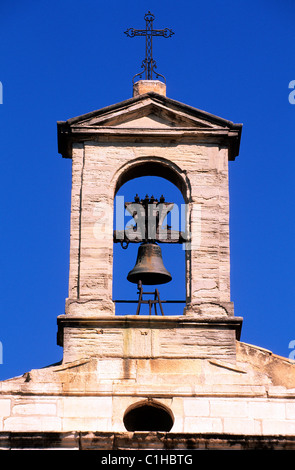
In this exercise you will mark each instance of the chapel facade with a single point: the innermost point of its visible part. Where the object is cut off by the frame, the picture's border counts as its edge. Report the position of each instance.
(151, 381)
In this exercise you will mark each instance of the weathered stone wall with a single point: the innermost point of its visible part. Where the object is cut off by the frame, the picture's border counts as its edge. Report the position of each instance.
(204, 396)
(97, 167)
(149, 337)
(256, 416)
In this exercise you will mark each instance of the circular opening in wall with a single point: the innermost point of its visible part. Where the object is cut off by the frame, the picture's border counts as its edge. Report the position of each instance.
(148, 416)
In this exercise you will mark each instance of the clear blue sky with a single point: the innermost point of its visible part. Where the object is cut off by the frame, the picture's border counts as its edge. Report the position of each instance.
(61, 59)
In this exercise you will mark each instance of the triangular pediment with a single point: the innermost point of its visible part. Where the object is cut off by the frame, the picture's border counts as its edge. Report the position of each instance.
(148, 116)
(150, 121)
(149, 111)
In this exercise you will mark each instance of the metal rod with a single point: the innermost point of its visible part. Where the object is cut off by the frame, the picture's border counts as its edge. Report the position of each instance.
(140, 297)
(159, 302)
(155, 298)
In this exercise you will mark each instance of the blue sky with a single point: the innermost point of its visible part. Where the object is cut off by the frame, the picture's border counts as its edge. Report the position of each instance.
(59, 59)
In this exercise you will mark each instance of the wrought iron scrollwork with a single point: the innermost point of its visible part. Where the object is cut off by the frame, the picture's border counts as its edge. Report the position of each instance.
(149, 64)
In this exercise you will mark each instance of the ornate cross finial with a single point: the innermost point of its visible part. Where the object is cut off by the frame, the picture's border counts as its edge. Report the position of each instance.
(149, 64)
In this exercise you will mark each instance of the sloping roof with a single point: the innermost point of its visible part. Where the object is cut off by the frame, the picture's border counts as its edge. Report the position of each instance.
(150, 116)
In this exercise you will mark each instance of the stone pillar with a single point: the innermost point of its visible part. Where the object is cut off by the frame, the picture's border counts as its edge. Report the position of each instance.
(91, 251)
(210, 257)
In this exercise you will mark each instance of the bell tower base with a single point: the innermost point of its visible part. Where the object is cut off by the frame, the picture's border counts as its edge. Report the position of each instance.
(143, 337)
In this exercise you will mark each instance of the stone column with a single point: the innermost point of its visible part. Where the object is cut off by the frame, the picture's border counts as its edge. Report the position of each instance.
(91, 254)
(209, 273)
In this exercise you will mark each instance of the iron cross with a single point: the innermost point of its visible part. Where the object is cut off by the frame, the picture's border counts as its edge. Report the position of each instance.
(149, 64)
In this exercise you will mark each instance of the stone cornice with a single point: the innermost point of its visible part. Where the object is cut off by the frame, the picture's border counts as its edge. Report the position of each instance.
(187, 124)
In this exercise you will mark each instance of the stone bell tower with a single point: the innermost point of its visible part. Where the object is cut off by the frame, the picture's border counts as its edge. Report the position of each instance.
(151, 381)
(149, 134)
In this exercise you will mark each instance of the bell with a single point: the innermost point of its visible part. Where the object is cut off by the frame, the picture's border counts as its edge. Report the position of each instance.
(149, 267)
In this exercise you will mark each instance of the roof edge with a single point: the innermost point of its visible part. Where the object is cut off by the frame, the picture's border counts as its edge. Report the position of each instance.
(163, 99)
(65, 135)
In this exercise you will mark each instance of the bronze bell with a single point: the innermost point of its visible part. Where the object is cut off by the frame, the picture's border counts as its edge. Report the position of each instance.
(149, 267)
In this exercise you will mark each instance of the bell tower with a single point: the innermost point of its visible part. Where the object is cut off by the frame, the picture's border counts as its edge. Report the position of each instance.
(149, 134)
(183, 381)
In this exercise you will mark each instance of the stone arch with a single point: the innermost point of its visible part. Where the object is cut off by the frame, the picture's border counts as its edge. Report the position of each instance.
(153, 166)
(148, 415)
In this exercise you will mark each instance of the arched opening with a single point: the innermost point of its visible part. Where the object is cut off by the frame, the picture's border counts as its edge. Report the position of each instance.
(155, 167)
(173, 255)
(148, 416)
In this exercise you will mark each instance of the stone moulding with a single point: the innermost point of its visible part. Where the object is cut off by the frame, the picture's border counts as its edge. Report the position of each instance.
(128, 321)
(192, 124)
(141, 441)
(148, 337)
(145, 321)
